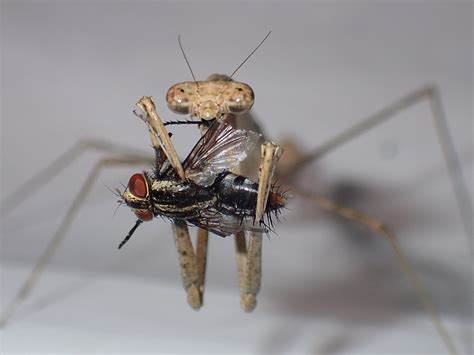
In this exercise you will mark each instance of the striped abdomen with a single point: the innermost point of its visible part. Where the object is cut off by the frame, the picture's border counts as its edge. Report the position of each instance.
(237, 195)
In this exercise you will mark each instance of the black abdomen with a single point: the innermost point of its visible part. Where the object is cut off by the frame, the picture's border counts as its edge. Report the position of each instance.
(237, 195)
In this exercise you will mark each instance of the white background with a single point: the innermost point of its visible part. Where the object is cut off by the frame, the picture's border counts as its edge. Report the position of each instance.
(75, 69)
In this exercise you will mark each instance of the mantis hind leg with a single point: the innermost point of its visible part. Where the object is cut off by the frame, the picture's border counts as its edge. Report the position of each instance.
(55, 241)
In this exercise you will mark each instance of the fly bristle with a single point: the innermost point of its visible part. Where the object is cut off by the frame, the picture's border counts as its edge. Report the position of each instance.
(276, 198)
(275, 203)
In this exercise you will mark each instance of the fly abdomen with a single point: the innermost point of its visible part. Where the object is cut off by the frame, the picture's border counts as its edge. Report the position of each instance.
(237, 195)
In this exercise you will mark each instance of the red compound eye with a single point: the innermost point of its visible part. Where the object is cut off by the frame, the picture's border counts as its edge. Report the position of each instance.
(143, 215)
(138, 186)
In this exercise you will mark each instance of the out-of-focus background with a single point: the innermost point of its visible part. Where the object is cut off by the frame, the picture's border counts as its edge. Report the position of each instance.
(74, 69)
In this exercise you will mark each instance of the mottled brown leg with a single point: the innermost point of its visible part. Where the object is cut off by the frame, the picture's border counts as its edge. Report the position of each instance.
(188, 264)
(201, 259)
(381, 229)
(38, 180)
(58, 237)
(251, 270)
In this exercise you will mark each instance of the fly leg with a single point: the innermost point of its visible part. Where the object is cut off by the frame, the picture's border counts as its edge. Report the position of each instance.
(249, 257)
(60, 233)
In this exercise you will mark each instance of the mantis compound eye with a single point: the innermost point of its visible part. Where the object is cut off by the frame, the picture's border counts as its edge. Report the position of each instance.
(178, 100)
(138, 186)
(240, 99)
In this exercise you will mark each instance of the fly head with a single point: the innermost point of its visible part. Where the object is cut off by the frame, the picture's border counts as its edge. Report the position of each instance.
(137, 197)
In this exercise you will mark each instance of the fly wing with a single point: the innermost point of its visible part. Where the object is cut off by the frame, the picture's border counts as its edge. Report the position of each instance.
(233, 225)
(224, 226)
(220, 149)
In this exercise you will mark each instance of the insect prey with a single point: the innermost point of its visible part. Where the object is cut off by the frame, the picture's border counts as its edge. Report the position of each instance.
(211, 196)
(209, 188)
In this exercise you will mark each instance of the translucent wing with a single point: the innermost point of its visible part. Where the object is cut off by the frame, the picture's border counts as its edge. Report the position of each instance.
(224, 225)
(220, 149)
(232, 225)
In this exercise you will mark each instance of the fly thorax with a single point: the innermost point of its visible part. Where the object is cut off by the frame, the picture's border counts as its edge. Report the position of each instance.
(163, 187)
(170, 192)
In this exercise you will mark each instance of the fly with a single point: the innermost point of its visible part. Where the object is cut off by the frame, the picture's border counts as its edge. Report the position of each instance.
(206, 193)
(211, 196)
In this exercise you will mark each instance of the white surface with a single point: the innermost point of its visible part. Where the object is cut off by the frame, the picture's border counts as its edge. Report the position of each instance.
(75, 69)
(123, 315)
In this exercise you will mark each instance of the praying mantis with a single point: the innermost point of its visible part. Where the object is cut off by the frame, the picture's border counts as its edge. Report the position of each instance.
(193, 278)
